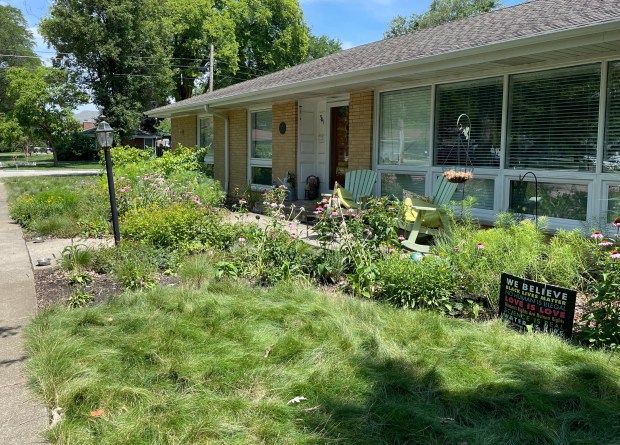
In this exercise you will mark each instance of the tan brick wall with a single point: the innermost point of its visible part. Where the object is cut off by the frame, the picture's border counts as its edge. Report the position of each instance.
(219, 141)
(360, 130)
(184, 131)
(238, 129)
(284, 148)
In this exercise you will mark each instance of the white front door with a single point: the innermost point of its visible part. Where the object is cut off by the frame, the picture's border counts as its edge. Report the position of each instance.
(311, 156)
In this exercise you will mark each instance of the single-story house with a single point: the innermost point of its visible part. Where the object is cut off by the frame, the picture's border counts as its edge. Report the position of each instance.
(538, 84)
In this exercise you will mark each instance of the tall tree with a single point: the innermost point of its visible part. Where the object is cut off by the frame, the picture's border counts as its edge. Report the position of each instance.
(440, 11)
(271, 34)
(44, 100)
(16, 48)
(118, 50)
(193, 27)
(321, 46)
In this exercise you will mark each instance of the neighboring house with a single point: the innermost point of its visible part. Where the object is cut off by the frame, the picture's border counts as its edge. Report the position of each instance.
(539, 81)
(139, 139)
(87, 118)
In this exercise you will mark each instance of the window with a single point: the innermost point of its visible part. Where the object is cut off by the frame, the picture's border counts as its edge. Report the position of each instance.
(483, 190)
(260, 147)
(611, 160)
(553, 119)
(404, 127)
(481, 101)
(613, 203)
(205, 140)
(556, 200)
(401, 185)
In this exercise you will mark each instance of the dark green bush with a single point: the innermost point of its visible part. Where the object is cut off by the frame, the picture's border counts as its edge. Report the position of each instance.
(78, 147)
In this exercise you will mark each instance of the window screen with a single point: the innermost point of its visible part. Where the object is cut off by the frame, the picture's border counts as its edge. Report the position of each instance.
(481, 101)
(611, 161)
(404, 127)
(553, 119)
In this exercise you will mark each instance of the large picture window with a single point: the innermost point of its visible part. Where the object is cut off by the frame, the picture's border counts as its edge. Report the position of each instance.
(205, 140)
(611, 160)
(553, 119)
(404, 127)
(260, 147)
(481, 101)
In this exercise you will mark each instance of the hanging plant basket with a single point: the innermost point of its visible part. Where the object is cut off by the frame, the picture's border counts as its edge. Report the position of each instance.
(458, 176)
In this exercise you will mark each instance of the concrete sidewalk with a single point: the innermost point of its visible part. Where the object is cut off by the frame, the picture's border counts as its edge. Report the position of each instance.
(15, 173)
(22, 419)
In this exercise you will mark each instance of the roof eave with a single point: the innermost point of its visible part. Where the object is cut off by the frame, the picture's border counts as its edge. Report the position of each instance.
(556, 40)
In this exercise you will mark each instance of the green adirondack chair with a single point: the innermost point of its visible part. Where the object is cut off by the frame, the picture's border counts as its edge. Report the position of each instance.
(359, 185)
(427, 218)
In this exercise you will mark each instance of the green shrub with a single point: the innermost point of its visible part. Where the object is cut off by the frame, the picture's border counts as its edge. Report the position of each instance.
(426, 283)
(125, 156)
(171, 226)
(78, 147)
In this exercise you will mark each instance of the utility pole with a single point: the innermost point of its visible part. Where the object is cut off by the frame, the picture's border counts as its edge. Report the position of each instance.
(211, 70)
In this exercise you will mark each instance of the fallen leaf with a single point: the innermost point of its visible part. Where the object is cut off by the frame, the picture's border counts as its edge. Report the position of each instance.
(268, 351)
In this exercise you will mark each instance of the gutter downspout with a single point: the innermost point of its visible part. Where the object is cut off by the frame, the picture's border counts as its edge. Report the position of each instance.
(226, 146)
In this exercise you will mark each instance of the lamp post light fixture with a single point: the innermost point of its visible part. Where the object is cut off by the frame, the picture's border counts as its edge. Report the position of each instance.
(105, 137)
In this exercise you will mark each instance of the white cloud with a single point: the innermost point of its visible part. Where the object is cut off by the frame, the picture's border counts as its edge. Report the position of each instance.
(346, 44)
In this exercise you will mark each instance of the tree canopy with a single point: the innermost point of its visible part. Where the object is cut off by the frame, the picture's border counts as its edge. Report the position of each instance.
(440, 11)
(132, 55)
(16, 48)
(44, 100)
(118, 52)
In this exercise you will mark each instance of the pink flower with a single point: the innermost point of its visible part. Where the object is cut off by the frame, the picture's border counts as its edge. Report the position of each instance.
(401, 238)
(293, 236)
(597, 235)
(605, 242)
(124, 189)
(379, 203)
(242, 239)
(324, 201)
(281, 216)
(616, 223)
(334, 213)
(274, 205)
(391, 250)
(615, 254)
(480, 246)
(242, 202)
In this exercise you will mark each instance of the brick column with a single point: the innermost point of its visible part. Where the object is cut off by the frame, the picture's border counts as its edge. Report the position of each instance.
(284, 146)
(219, 141)
(360, 130)
(238, 128)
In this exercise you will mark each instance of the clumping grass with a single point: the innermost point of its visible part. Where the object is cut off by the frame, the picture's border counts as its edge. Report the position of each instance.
(217, 365)
(64, 206)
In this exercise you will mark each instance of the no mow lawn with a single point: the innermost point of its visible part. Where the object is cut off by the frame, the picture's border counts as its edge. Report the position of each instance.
(217, 364)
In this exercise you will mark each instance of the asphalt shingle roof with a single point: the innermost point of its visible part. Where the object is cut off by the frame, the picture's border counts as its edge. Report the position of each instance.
(528, 19)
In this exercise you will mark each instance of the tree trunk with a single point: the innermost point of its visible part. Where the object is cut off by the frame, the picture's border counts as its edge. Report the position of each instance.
(54, 153)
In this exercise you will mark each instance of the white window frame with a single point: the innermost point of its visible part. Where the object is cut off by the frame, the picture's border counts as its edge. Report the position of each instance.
(208, 159)
(258, 162)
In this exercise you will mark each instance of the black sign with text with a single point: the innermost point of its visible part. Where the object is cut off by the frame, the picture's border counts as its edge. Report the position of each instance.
(544, 307)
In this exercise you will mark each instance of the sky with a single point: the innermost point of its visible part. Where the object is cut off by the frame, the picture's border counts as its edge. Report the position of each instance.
(354, 22)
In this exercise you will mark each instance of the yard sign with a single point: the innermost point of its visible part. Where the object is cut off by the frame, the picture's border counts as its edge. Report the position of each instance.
(544, 307)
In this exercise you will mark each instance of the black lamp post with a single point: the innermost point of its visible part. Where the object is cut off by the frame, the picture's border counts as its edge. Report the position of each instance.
(105, 137)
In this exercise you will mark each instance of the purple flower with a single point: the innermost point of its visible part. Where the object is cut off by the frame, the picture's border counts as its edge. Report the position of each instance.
(480, 246)
(615, 254)
(616, 223)
(597, 235)
(242, 239)
(605, 242)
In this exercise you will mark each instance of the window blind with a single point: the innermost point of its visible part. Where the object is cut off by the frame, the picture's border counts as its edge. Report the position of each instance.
(206, 135)
(481, 101)
(553, 119)
(404, 127)
(611, 156)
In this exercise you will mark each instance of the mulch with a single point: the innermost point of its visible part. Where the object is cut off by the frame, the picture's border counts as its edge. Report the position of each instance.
(52, 286)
